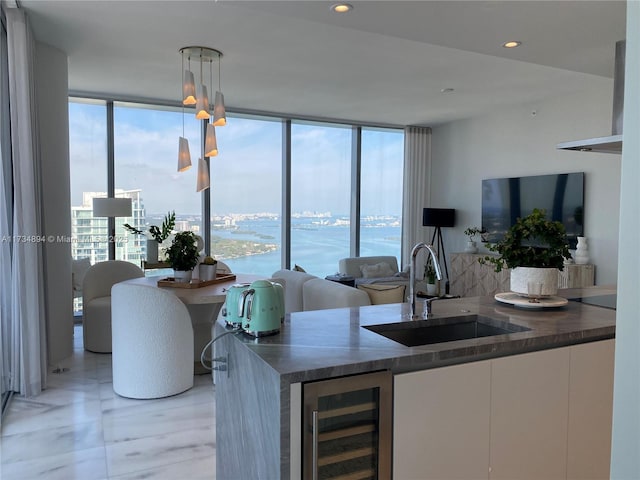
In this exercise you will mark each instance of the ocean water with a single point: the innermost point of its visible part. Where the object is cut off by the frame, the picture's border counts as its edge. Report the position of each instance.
(317, 244)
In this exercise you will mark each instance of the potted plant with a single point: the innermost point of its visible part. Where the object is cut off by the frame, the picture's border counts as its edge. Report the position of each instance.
(430, 279)
(183, 255)
(471, 232)
(208, 268)
(535, 248)
(158, 235)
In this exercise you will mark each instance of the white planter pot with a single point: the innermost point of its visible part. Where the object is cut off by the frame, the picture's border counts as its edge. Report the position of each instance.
(471, 247)
(182, 276)
(432, 289)
(522, 276)
(152, 251)
(207, 272)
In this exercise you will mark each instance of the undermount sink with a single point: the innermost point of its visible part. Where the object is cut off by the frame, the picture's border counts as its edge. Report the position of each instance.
(439, 330)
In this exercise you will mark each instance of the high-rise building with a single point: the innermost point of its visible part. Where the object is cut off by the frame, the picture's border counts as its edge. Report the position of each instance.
(90, 235)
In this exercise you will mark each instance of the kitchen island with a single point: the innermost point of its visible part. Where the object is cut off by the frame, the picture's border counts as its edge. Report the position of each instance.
(258, 390)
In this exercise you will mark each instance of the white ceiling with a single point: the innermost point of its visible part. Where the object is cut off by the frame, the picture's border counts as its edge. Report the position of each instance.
(384, 62)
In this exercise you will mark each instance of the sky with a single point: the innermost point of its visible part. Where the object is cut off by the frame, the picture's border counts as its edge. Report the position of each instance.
(246, 175)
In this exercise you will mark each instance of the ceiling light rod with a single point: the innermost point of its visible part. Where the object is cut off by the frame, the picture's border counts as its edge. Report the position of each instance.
(204, 54)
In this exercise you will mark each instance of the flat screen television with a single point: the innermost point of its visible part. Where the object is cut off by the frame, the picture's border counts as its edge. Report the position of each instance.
(504, 200)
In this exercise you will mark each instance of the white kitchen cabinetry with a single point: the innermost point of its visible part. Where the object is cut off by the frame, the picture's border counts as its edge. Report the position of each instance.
(591, 400)
(529, 403)
(544, 414)
(441, 423)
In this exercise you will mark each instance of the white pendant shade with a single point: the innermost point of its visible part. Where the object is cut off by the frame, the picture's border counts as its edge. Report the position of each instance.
(210, 143)
(219, 114)
(203, 175)
(202, 104)
(184, 157)
(188, 89)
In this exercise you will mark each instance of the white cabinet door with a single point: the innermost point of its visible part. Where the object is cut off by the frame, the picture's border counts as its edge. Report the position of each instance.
(441, 423)
(590, 410)
(529, 413)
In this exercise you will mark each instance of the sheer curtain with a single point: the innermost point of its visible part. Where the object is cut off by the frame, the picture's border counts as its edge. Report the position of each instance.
(27, 359)
(416, 191)
(6, 193)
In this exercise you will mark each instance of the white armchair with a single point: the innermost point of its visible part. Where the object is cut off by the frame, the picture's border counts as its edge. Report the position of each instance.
(152, 342)
(96, 301)
(79, 268)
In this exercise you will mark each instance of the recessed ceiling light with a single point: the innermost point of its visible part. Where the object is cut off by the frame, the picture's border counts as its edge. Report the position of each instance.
(341, 7)
(512, 44)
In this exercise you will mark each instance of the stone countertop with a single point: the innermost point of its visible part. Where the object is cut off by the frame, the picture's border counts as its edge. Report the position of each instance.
(330, 343)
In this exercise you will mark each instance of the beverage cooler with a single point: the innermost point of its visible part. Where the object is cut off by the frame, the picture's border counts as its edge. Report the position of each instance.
(347, 428)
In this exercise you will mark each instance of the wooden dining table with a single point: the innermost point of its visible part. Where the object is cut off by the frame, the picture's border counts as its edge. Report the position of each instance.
(210, 294)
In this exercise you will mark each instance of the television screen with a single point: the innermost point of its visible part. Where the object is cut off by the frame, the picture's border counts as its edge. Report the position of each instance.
(504, 200)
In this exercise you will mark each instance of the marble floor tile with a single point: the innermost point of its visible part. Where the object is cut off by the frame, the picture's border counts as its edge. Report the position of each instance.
(51, 441)
(78, 428)
(203, 468)
(119, 428)
(161, 450)
(80, 464)
(27, 415)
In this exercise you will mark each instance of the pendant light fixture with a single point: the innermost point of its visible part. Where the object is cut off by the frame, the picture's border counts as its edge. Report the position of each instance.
(200, 99)
(219, 113)
(202, 181)
(184, 157)
(210, 142)
(202, 104)
(188, 84)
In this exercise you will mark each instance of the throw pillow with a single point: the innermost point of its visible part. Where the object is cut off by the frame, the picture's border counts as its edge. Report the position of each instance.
(382, 269)
(381, 294)
(298, 268)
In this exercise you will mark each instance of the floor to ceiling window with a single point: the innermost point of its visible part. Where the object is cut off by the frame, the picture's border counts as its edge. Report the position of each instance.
(320, 196)
(246, 195)
(145, 164)
(381, 192)
(88, 172)
(246, 185)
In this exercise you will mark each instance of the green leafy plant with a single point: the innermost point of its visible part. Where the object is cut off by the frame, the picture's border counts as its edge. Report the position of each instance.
(429, 272)
(182, 254)
(471, 232)
(533, 241)
(209, 260)
(159, 234)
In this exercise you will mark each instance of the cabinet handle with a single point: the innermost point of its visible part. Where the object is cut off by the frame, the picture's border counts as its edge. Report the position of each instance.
(314, 445)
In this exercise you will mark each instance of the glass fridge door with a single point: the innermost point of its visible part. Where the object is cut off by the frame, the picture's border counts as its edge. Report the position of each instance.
(347, 428)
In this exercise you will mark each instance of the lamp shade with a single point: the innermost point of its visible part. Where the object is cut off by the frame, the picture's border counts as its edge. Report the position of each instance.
(210, 143)
(111, 207)
(184, 156)
(219, 113)
(188, 89)
(202, 104)
(202, 181)
(438, 217)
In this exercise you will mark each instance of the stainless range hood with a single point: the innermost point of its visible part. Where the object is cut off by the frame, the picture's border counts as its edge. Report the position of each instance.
(613, 142)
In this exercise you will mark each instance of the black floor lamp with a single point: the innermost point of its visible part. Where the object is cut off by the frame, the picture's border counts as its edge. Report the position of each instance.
(439, 217)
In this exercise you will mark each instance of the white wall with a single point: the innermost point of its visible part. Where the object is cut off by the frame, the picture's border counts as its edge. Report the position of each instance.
(625, 457)
(53, 125)
(515, 142)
